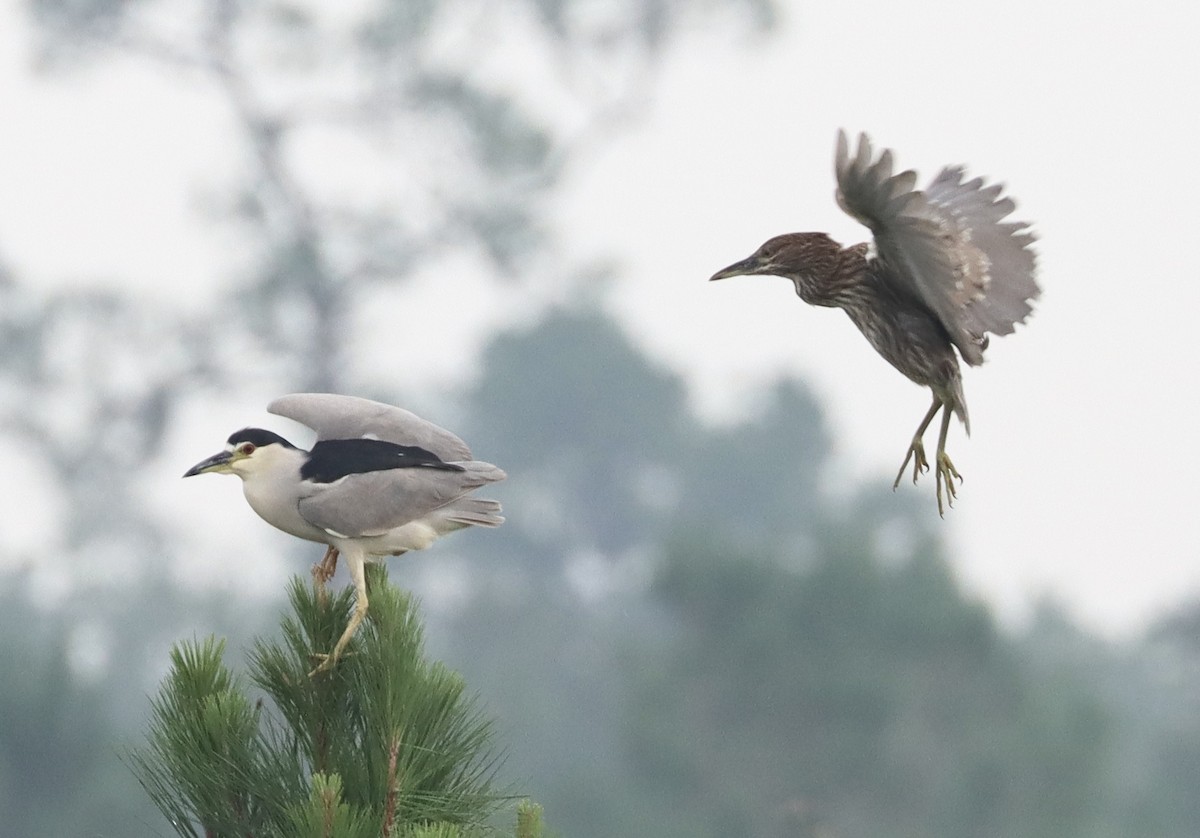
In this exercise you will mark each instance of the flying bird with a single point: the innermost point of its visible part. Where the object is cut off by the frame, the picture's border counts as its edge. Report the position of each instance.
(379, 481)
(943, 271)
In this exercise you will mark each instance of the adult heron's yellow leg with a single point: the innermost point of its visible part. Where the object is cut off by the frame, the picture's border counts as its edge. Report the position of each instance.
(356, 562)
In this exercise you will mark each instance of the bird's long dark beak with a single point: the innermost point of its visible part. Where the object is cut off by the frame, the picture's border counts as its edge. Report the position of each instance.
(749, 265)
(217, 462)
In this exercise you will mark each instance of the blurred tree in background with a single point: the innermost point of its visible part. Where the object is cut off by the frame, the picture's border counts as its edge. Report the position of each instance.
(681, 630)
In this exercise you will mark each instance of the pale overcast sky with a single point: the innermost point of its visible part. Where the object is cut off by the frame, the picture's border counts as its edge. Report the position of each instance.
(1081, 474)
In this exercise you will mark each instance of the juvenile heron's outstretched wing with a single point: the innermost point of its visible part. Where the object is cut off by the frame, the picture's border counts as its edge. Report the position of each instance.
(947, 247)
(976, 213)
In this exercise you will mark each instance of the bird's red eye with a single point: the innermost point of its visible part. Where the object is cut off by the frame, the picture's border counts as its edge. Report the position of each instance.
(246, 449)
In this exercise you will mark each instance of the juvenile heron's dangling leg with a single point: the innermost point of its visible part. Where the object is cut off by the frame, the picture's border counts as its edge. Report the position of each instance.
(916, 451)
(945, 469)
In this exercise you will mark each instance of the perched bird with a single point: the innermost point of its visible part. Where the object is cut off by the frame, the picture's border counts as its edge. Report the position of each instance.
(379, 481)
(944, 270)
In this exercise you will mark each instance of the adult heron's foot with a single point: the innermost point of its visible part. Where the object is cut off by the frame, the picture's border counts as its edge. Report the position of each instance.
(360, 611)
(327, 662)
(946, 473)
(916, 453)
(323, 570)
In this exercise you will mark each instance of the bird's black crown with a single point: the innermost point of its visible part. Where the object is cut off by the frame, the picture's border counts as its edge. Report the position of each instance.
(258, 438)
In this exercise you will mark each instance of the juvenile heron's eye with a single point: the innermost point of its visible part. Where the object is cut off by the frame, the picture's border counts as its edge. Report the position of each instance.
(246, 449)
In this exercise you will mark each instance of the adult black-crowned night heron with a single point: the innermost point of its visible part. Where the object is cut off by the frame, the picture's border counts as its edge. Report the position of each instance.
(944, 272)
(379, 481)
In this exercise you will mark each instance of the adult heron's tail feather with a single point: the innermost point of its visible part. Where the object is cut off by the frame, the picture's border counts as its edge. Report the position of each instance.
(469, 512)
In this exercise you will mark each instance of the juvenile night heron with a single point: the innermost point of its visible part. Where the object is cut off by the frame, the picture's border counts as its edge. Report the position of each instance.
(944, 271)
(379, 481)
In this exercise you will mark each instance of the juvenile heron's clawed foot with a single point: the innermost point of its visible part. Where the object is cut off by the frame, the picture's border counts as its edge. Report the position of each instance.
(916, 453)
(946, 473)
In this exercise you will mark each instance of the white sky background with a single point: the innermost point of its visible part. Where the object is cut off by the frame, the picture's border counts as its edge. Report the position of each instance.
(1081, 475)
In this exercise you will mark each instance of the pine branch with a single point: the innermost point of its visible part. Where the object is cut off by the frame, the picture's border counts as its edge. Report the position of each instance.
(387, 744)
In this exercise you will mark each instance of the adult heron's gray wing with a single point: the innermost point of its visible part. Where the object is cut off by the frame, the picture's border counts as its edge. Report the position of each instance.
(935, 249)
(349, 417)
(378, 501)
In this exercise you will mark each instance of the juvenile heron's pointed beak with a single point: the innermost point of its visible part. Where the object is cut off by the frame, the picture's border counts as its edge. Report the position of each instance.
(750, 265)
(218, 463)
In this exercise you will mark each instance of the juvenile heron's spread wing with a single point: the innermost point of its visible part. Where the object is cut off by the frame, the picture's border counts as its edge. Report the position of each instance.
(374, 503)
(349, 417)
(1003, 254)
(948, 246)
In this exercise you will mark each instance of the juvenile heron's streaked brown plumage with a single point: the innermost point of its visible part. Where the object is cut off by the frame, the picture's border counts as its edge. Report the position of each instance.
(946, 271)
